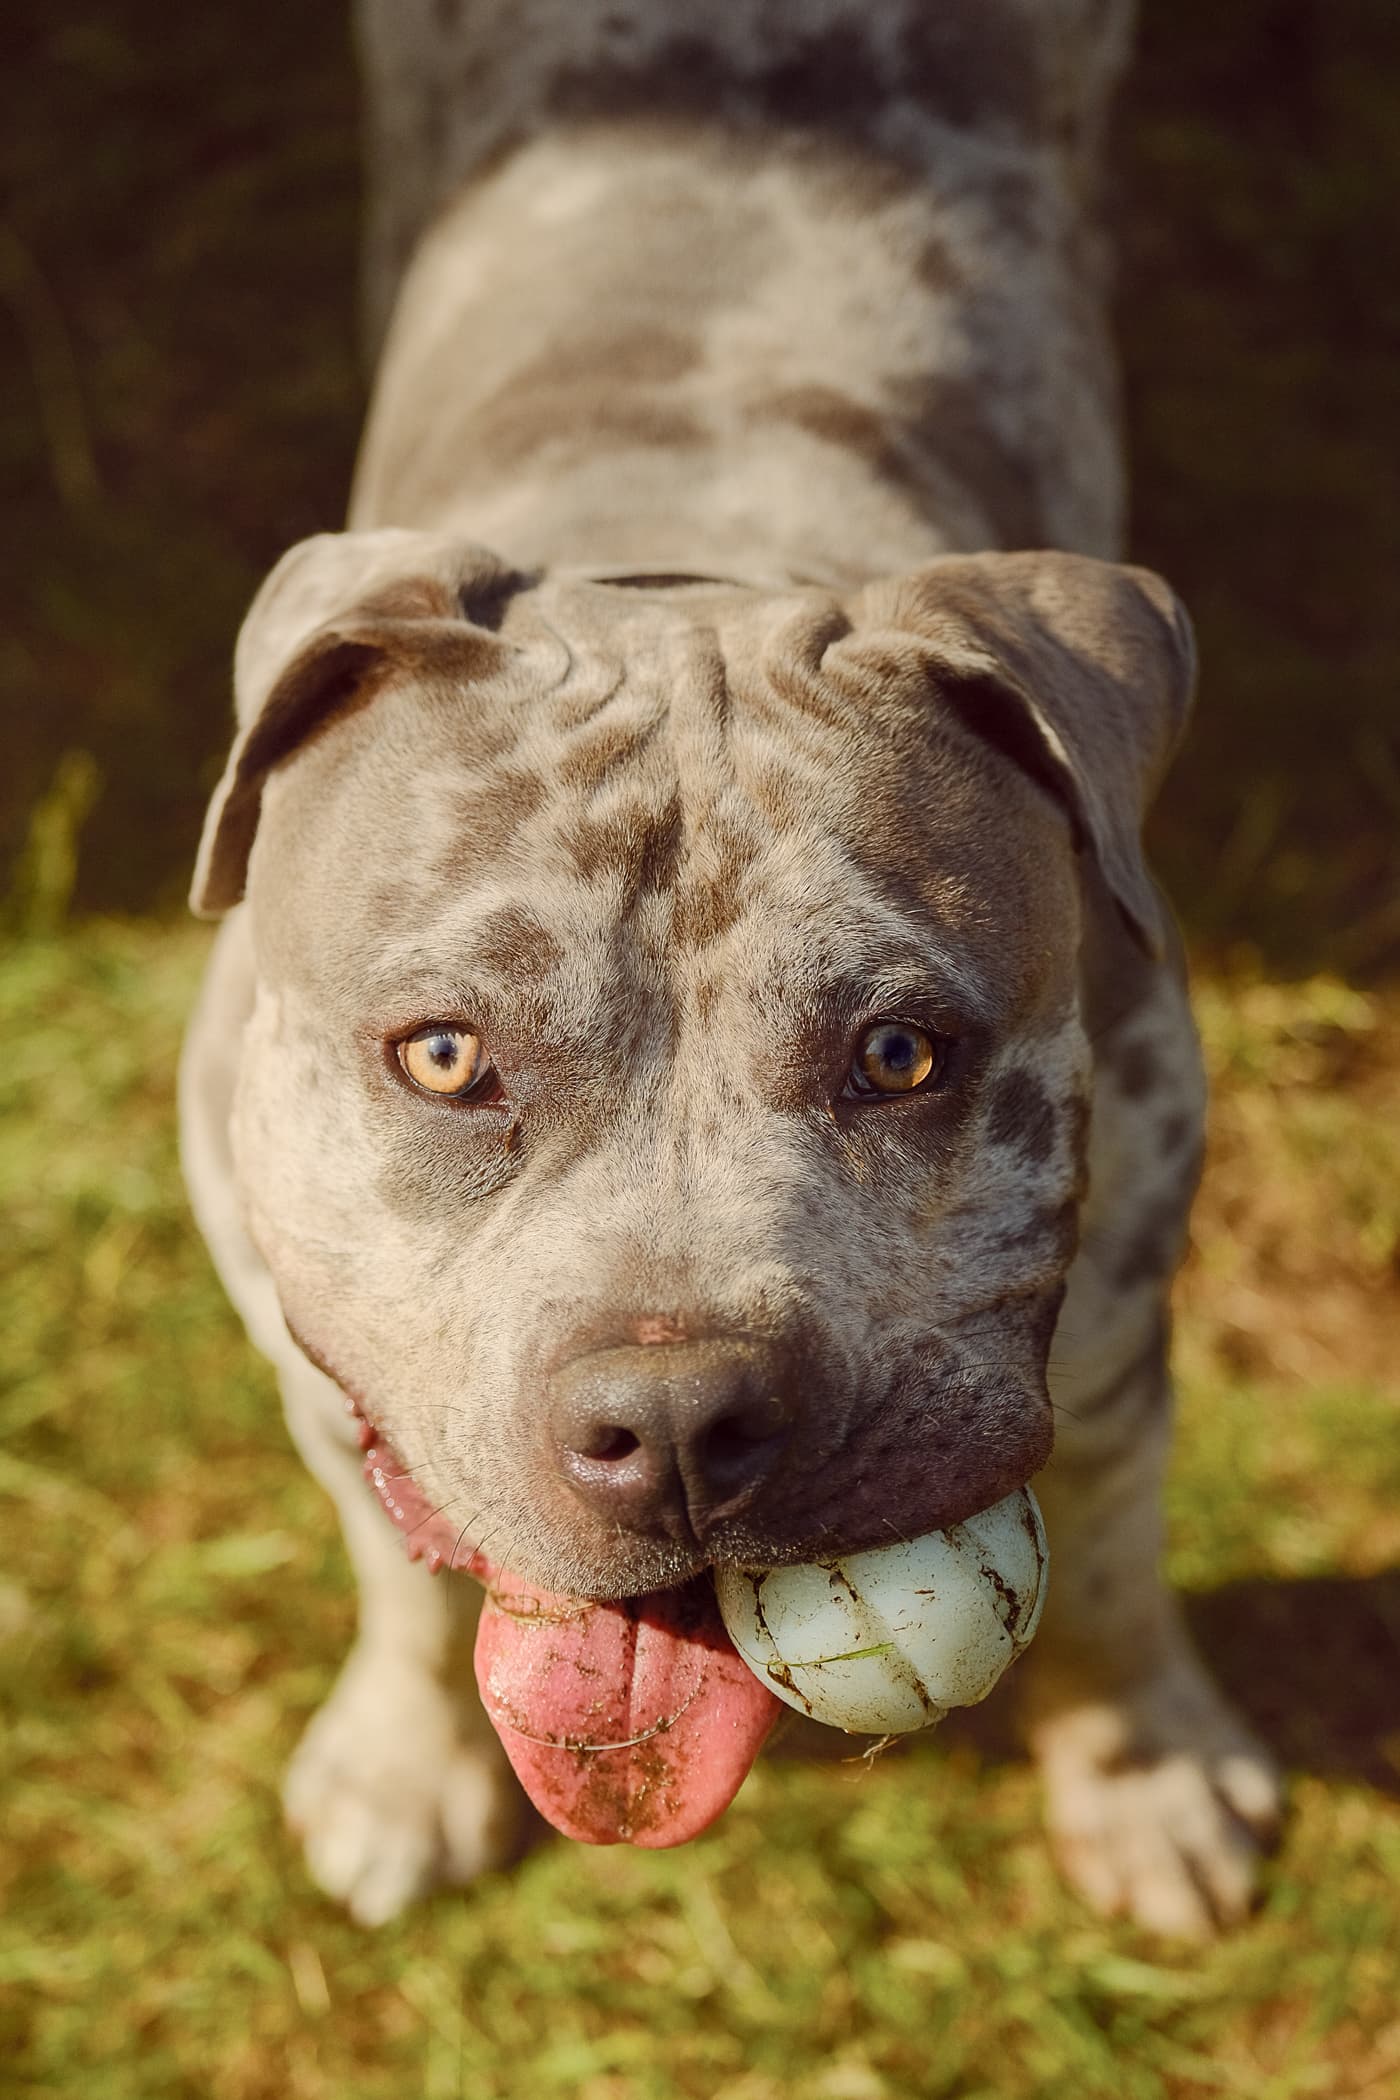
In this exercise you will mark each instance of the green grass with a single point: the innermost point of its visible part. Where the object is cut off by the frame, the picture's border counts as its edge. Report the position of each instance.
(174, 1603)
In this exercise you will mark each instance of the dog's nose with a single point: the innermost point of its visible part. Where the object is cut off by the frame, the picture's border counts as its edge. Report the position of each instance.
(672, 1437)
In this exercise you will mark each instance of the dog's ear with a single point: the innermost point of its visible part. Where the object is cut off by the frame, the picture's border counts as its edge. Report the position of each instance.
(1081, 671)
(340, 615)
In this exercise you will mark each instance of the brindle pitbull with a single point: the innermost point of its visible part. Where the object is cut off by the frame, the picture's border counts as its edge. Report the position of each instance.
(701, 1063)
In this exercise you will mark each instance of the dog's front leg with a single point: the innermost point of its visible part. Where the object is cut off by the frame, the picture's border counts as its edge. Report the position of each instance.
(1158, 1799)
(399, 1782)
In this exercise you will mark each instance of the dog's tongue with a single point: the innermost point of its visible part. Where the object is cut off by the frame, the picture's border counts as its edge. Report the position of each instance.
(629, 1723)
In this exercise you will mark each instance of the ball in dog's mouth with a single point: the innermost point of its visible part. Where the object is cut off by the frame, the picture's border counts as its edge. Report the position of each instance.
(637, 1721)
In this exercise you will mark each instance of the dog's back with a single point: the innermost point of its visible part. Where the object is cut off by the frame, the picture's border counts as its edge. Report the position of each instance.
(758, 248)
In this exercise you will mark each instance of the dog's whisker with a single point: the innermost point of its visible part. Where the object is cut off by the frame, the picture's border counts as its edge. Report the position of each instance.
(441, 1509)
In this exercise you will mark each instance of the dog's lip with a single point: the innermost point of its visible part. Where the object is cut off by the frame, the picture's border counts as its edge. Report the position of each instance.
(437, 1539)
(441, 1543)
(429, 1535)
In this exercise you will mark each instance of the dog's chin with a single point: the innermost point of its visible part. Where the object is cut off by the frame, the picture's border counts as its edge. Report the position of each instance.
(619, 1570)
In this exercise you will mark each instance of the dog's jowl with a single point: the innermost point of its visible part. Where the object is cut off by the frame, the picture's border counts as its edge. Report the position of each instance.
(694, 1069)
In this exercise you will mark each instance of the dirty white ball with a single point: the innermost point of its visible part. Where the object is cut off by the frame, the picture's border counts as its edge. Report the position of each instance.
(886, 1641)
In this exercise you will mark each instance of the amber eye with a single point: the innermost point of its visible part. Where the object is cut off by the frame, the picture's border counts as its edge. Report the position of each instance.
(442, 1059)
(894, 1057)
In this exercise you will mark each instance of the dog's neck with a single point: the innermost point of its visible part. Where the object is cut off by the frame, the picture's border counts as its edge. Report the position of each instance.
(815, 293)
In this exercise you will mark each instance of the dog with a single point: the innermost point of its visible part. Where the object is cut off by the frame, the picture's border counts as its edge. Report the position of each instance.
(695, 1068)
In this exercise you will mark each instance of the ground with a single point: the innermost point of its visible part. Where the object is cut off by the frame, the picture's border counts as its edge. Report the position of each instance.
(181, 402)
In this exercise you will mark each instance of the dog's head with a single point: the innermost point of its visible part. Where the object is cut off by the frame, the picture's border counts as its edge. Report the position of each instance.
(664, 1106)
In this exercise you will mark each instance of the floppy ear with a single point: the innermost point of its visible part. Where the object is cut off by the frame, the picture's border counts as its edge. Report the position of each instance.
(1081, 671)
(339, 615)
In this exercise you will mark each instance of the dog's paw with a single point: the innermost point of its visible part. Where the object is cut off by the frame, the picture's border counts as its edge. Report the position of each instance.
(1160, 1808)
(391, 1796)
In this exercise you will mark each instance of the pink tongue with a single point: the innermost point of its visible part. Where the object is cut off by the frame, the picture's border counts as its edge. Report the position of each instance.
(629, 1723)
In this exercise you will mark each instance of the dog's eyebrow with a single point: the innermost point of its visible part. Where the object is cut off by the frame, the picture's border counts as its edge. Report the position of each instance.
(932, 981)
(889, 955)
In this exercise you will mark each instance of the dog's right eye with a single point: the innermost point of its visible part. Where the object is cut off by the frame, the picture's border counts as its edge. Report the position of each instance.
(443, 1059)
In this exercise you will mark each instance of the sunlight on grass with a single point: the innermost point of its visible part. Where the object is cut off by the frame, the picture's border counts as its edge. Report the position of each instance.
(174, 1603)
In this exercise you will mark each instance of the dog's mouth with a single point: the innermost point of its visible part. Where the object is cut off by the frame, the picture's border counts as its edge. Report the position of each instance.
(632, 1722)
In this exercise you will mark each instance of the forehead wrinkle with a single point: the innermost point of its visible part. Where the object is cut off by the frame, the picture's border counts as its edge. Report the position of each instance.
(436, 961)
(701, 699)
(811, 926)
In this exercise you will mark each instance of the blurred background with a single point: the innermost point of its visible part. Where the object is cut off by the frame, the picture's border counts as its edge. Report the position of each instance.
(181, 397)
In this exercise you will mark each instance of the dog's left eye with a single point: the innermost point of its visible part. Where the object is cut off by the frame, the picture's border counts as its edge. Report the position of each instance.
(443, 1059)
(894, 1057)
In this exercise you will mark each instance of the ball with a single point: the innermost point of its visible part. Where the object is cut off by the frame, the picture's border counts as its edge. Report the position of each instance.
(886, 1641)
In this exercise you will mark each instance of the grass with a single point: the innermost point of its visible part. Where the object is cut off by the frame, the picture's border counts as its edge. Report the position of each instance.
(175, 1602)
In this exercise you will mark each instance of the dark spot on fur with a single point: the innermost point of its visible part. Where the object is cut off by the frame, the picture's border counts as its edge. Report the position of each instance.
(922, 434)
(1051, 1232)
(614, 424)
(1152, 1247)
(587, 761)
(487, 818)
(599, 389)
(706, 909)
(886, 444)
(484, 602)
(707, 996)
(686, 75)
(936, 268)
(972, 67)
(830, 79)
(777, 794)
(514, 943)
(1146, 1375)
(1175, 1132)
(630, 357)
(660, 854)
(947, 418)
(833, 416)
(1022, 1116)
(596, 845)
(1137, 1069)
(637, 844)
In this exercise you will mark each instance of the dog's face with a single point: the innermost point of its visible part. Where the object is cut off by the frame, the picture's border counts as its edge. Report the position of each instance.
(665, 1104)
